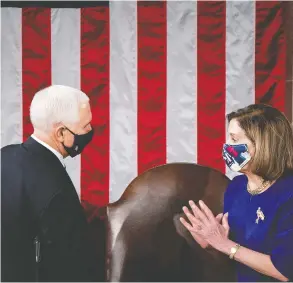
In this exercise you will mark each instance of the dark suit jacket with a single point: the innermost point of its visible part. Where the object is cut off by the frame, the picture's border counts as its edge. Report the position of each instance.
(38, 198)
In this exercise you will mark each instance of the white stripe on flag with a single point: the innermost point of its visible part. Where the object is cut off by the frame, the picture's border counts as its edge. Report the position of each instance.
(66, 65)
(11, 76)
(181, 81)
(240, 41)
(123, 96)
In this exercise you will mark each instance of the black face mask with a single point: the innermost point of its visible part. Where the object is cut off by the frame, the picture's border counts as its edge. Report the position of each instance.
(79, 143)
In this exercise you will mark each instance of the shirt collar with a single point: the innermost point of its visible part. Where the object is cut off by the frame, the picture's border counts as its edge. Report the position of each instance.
(58, 154)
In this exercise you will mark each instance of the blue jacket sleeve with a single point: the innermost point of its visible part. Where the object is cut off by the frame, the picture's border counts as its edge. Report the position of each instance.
(282, 251)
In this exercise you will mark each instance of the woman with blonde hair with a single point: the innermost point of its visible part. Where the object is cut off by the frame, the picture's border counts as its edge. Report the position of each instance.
(256, 229)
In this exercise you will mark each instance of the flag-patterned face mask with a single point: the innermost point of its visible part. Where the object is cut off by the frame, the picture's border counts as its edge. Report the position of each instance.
(236, 156)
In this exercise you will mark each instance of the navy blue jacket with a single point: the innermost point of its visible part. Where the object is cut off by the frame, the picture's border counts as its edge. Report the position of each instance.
(39, 201)
(263, 223)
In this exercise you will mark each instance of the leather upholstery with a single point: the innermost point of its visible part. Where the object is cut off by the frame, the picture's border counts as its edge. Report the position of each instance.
(146, 241)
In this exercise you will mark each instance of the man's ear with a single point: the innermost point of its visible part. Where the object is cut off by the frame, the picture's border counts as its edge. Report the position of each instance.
(59, 133)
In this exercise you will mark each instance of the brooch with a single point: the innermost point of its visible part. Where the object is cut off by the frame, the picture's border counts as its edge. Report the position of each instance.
(260, 215)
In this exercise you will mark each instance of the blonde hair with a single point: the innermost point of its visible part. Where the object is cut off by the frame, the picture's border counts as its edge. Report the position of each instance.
(272, 135)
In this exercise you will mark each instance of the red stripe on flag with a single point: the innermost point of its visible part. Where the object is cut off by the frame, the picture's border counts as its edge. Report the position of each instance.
(211, 85)
(95, 60)
(152, 68)
(270, 54)
(36, 58)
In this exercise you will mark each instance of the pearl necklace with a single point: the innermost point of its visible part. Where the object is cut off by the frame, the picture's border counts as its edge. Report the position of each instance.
(259, 189)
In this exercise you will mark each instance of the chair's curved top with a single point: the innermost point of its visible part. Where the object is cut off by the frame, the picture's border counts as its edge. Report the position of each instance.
(143, 242)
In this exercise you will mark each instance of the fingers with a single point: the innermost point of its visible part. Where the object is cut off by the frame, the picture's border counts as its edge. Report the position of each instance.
(199, 214)
(207, 211)
(225, 221)
(219, 217)
(193, 233)
(187, 225)
(193, 220)
(195, 209)
(205, 214)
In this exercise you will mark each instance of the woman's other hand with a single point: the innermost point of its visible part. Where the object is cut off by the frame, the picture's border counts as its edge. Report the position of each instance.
(205, 228)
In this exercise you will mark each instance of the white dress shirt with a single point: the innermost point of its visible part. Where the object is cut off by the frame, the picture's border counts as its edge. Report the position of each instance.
(58, 154)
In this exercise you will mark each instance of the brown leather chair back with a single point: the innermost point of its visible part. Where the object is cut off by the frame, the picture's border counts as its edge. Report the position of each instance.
(146, 241)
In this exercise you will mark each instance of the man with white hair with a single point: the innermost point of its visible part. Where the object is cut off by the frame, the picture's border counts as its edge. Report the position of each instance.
(44, 229)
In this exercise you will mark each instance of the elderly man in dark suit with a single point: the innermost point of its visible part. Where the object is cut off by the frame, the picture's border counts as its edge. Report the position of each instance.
(44, 229)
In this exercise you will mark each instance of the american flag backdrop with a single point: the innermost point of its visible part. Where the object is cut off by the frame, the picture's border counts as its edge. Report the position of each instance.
(161, 76)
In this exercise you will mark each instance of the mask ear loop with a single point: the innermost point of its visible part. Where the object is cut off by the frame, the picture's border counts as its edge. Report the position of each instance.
(61, 143)
(69, 130)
